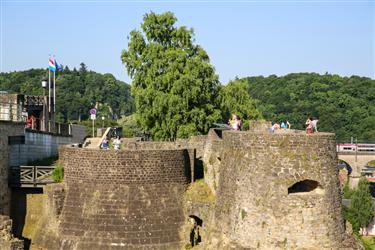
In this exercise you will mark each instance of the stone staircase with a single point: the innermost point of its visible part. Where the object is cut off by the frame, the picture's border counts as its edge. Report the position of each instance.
(94, 142)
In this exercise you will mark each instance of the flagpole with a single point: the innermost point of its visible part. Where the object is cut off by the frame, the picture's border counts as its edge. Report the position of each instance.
(54, 91)
(49, 90)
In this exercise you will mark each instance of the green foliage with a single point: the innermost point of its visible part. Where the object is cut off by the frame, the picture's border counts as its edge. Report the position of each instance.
(343, 105)
(235, 99)
(368, 242)
(58, 173)
(129, 126)
(76, 92)
(347, 192)
(200, 191)
(361, 210)
(243, 214)
(371, 163)
(173, 83)
(188, 246)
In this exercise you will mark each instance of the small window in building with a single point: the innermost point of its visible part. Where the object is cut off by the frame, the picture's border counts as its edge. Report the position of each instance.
(304, 186)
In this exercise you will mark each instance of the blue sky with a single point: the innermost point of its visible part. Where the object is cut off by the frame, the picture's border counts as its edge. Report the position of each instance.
(242, 38)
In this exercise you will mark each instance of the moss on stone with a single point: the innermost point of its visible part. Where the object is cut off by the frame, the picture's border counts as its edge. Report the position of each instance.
(200, 191)
(315, 157)
(305, 157)
(243, 213)
(264, 224)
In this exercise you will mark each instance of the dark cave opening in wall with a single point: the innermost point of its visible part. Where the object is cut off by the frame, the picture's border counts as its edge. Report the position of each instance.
(198, 169)
(303, 187)
(195, 232)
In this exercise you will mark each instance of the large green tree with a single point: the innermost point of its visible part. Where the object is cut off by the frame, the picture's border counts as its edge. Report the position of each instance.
(173, 83)
(361, 209)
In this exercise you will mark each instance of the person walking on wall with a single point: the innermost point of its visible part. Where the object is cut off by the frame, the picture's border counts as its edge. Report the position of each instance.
(309, 125)
(104, 144)
(117, 143)
(235, 122)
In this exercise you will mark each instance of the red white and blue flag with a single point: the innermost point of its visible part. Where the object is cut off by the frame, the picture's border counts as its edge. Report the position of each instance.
(58, 66)
(52, 65)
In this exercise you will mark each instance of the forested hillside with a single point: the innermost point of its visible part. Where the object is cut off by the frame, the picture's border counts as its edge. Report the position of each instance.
(344, 105)
(76, 91)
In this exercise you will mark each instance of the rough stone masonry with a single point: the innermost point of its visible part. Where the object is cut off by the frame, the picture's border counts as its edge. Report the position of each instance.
(271, 191)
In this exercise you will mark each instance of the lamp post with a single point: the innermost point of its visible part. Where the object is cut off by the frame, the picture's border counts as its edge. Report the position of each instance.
(44, 84)
(103, 121)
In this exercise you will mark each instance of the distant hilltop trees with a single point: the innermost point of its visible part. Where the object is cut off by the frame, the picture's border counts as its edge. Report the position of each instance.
(76, 92)
(175, 92)
(343, 105)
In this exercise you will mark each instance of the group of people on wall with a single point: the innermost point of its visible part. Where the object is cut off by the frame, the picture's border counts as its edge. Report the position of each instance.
(116, 143)
(284, 125)
(235, 123)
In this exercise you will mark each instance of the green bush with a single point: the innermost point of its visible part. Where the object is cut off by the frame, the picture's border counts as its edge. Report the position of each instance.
(347, 192)
(361, 209)
(58, 173)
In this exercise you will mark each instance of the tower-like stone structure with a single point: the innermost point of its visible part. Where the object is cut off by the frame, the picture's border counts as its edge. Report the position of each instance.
(120, 200)
(279, 191)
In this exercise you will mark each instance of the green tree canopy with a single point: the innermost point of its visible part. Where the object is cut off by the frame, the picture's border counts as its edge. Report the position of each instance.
(76, 91)
(235, 99)
(343, 105)
(361, 209)
(173, 83)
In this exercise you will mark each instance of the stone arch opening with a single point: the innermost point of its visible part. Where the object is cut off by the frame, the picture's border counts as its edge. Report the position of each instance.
(344, 165)
(305, 186)
(195, 232)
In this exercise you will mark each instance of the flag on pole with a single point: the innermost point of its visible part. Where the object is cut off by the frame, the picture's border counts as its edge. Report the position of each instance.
(51, 65)
(58, 66)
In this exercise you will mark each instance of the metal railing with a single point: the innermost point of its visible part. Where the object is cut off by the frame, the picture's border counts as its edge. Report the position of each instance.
(30, 176)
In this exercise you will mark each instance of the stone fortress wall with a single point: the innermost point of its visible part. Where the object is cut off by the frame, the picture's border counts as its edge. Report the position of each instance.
(6, 238)
(119, 200)
(279, 191)
(271, 191)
